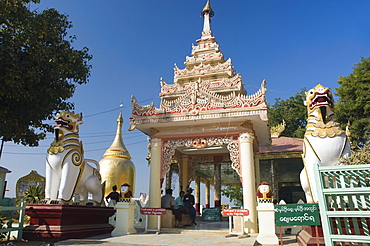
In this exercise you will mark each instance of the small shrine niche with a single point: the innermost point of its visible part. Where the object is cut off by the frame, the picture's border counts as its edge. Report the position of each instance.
(31, 179)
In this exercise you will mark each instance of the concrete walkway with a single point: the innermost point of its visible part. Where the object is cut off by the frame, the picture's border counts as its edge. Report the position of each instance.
(205, 233)
(164, 239)
(167, 238)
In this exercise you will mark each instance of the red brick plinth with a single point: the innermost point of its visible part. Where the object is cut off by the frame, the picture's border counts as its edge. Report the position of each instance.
(60, 222)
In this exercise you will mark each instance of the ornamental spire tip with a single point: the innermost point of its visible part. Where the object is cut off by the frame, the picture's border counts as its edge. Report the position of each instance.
(208, 9)
(207, 14)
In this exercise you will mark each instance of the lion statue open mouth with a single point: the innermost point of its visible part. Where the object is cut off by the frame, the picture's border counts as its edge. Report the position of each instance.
(324, 141)
(67, 172)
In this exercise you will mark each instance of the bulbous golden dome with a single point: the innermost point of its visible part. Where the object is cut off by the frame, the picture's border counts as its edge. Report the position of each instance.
(116, 168)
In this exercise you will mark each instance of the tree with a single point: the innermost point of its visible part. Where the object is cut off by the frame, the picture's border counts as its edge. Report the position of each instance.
(39, 70)
(33, 194)
(234, 193)
(293, 111)
(354, 101)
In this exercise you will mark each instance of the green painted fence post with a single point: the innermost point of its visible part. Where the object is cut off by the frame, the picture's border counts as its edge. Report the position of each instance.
(22, 213)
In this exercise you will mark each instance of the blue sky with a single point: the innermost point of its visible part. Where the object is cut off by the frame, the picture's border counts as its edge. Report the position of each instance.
(290, 43)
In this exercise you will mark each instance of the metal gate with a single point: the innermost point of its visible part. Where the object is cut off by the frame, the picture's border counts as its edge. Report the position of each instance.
(344, 201)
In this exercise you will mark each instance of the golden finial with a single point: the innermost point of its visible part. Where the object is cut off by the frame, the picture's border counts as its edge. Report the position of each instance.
(208, 9)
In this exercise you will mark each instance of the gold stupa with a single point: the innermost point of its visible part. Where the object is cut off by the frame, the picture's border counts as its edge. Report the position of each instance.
(116, 168)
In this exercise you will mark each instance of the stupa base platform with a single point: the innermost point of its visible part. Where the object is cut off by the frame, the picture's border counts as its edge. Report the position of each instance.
(60, 222)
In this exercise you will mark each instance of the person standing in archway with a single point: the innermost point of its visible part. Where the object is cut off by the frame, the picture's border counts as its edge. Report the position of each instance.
(189, 202)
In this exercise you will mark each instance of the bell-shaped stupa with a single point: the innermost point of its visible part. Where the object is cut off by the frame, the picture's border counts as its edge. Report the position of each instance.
(116, 168)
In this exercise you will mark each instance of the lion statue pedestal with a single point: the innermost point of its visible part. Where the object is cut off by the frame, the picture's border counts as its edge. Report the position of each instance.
(59, 222)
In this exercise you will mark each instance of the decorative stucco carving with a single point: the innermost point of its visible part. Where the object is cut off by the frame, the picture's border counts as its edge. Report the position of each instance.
(246, 137)
(200, 99)
(263, 116)
(247, 124)
(199, 143)
(214, 56)
(207, 88)
(153, 131)
(233, 83)
(155, 142)
(201, 69)
(233, 148)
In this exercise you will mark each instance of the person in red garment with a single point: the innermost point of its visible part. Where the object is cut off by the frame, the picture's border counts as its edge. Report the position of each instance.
(126, 193)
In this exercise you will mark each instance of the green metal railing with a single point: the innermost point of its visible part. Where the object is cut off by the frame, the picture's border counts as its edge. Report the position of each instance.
(344, 201)
(22, 213)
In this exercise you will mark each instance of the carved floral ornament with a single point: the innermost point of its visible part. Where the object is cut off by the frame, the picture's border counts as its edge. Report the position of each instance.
(209, 44)
(215, 56)
(199, 143)
(203, 69)
(235, 81)
(199, 98)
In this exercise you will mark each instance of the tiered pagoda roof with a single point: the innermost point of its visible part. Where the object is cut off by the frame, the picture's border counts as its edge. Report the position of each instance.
(207, 90)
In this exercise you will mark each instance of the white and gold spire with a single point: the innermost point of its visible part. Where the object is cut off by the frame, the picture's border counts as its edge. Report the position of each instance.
(207, 14)
(207, 63)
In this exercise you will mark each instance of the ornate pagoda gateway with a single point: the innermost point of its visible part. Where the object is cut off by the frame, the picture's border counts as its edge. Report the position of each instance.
(205, 117)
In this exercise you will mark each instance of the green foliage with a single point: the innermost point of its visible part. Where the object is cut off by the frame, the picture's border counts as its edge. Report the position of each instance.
(39, 70)
(358, 156)
(234, 193)
(5, 222)
(33, 194)
(354, 102)
(293, 111)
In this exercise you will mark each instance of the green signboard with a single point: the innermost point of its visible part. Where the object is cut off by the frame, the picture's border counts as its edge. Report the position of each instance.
(297, 214)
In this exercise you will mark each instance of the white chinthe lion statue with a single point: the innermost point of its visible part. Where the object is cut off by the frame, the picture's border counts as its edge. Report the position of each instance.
(324, 141)
(67, 172)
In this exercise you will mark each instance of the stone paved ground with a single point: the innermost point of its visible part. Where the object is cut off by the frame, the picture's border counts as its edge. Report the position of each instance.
(161, 239)
(205, 233)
